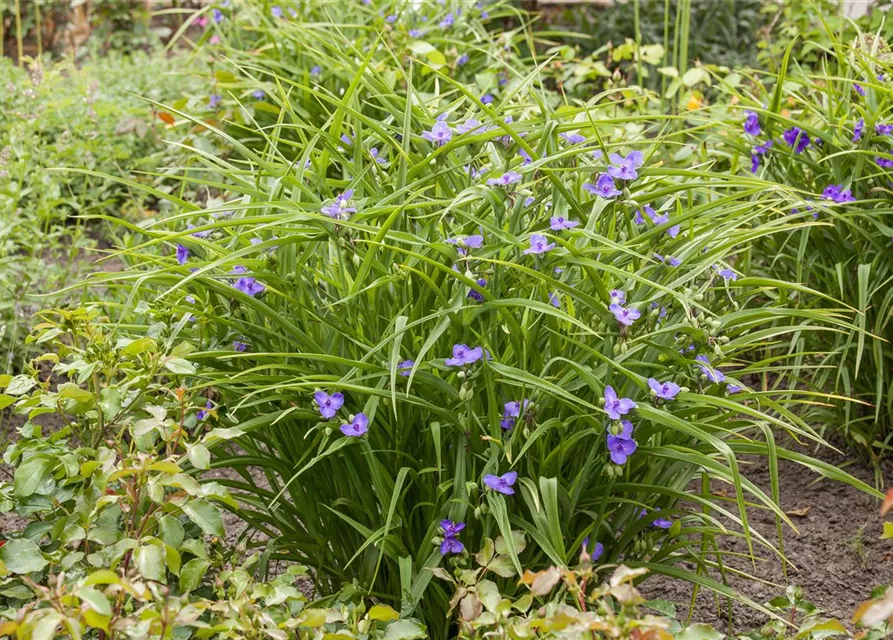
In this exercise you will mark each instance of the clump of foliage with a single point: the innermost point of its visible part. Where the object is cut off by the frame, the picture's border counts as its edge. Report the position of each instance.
(823, 137)
(443, 308)
(122, 540)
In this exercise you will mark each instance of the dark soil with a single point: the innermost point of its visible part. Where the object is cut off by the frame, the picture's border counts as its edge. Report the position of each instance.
(838, 556)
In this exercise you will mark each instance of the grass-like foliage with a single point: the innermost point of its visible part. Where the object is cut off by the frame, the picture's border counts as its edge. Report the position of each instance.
(825, 134)
(525, 315)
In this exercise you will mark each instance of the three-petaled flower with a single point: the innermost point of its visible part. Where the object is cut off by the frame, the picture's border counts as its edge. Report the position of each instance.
(615, 406)
(464, 355)
(559, 223)
(510, 177)
(440, 133)
(328, 405)
(502, 484)
(358, 426)
(539, 244)
(665, 390)
(340, 208)
(604, 186)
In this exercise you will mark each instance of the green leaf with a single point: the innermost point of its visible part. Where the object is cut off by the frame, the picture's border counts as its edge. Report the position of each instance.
(191, 574)
(383, 613)
(888, 531)
(199, 456)
(179, 366)
(35, 475)
(205, 515)
(150, 562)
(22, 556)
(95, 599)
(699, 631)
(407, 629)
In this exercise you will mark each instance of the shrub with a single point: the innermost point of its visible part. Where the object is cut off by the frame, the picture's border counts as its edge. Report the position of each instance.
(430, 332)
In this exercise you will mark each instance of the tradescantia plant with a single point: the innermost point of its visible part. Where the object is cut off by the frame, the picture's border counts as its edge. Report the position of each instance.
(515, 316)
(825, 136)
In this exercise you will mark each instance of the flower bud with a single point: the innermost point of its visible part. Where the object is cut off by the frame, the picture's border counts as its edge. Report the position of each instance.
(471, 486)
(328, 431)
(698, 297)
(717, 350)
(477, 513)
(485, 509)
(461, 375)
(624, 347)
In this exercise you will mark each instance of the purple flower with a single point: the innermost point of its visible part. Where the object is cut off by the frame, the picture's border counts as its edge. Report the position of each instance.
(203, 413)
(512, 410)
(182, 254)
(328, 405)
(391, 18)
(638, 219)
(597, 551)
(440, 134)
(240, 346)
(762, 149)
(214, 100)
(616, 407)
(625, 168)
(249, 286)
(451, 528)
(258, 94)
(754, 163)
(886, 163)
(340, 208)
(796, 136)
(539, 244)
(529, 200)
(673, 262)
(464, 355)
(713, 375)
(665, 390)
(838, 194)
(559, 223)
(505, 179)
(468, 126)
(621, 448)
(626, 430)
(617, 297)
(625, 315)
(451, 544)
(858, 129)
(463, 59)
(502, 484)
(487, 98)
(217, 15)
(733, 388)
(662, 523)
(276, 10)
(883, 129)
(859, 89)
(603, 187)
(357, 427)
(525, 157)
(573, 138)
(315, 71)
(467, 242)
(554, 301)
(405, 368)
(752, 124)
(474, 295)
(448, 21)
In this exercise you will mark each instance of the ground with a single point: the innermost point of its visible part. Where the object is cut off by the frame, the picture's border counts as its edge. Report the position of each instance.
(838, 556)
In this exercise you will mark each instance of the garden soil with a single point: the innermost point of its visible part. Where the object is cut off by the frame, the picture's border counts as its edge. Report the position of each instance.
(838, 556)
